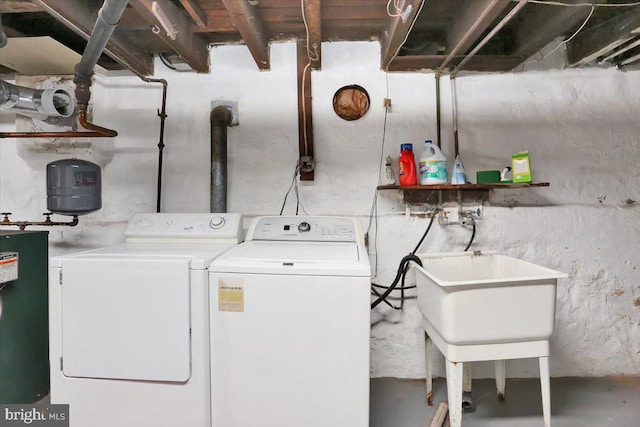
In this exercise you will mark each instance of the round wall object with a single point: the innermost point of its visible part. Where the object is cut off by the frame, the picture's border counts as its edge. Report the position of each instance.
(351, 102)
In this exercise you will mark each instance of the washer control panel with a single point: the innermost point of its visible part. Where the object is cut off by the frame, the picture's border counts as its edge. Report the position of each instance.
(305, 228)
(207, 226)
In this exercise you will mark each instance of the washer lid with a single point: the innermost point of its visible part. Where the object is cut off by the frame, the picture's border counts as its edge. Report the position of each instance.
(200, 256)
(315, 258)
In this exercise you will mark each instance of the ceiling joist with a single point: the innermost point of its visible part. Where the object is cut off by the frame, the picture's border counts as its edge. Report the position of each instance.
(76, 15)
(246, 20)
(476, 63)
(313, 21)
(195, 12)
(190, 46)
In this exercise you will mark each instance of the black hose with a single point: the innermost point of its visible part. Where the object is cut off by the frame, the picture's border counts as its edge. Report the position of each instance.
(403, 268)
(473, 235)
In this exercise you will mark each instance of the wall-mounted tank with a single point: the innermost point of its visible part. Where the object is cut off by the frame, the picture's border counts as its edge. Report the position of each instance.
(74, 187)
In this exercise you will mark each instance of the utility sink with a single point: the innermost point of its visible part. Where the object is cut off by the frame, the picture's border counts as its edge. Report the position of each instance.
(481, 298)
(486, 306)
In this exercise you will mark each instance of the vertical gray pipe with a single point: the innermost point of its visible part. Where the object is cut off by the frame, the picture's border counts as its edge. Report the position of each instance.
(220, 119)
(108, 18)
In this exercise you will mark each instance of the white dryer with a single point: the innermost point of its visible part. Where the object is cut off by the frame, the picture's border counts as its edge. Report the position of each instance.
(129, 331)
(290, 326)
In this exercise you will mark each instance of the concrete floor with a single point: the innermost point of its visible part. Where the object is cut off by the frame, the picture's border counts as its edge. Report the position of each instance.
(575, 402)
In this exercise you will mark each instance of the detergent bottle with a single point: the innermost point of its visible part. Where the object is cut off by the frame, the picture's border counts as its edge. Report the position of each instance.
(407, 165)
(433, 165)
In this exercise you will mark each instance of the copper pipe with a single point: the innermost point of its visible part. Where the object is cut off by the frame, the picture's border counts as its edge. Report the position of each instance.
(95, 131)
(23, 224)
(82, 118)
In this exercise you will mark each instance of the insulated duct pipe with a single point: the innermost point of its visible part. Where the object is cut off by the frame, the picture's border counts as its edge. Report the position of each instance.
(220, 119)
(36, 103)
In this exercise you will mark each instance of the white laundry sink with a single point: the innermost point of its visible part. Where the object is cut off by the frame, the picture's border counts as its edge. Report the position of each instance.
(470, 298)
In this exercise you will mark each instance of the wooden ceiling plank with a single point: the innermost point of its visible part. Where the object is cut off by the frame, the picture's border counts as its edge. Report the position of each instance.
(190, 46)
(472, 23)
(194, 11)
(542, 25)
(396, 32)
(245, 18)
(313, 19)
(487, 63)
(597, 41)
(19, 6)
(76, 15)
(635, 59)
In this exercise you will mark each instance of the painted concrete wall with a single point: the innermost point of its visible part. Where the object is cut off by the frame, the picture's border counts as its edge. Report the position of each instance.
(580, 126)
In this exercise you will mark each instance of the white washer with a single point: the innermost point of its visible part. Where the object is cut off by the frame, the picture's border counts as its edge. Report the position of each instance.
(129, 334)
(290, 326)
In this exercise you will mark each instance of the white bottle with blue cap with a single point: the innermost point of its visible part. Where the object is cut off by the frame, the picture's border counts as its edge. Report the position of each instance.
(432, 165)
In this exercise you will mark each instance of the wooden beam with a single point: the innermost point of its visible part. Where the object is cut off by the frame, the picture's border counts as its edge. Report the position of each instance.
(245, 18)
(191, 47)
(19, 6)
(542, 24)
(599, 40)
(76, 15)
(195, 12)
(396, 32)
(485, 63)
(472, 23)
(314, 24)
(305, 123)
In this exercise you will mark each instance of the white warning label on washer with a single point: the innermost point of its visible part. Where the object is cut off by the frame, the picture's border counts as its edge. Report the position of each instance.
(230, 294)
(8, 266)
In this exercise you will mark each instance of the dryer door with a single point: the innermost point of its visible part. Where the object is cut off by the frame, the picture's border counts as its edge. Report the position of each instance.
(126, 318)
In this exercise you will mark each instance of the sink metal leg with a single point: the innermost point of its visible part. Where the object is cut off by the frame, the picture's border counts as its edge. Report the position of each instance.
(428, 354)
(545, 387)
(467, 399)
(500, 378)
(454, 392)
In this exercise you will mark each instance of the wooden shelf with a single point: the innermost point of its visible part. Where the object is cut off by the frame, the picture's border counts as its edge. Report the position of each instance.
(440, 193)
(463, 187)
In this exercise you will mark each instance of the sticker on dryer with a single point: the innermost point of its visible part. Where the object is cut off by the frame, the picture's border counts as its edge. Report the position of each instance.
(230, 294)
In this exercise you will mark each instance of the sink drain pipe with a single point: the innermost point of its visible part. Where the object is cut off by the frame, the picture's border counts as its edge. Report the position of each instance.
(220, 119)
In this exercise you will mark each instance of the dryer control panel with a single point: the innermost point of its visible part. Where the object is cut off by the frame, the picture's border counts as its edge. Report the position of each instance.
(188, 227)
(305, 228)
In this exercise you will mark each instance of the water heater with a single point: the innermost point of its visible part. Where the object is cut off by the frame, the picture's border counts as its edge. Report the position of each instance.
(74, 187)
